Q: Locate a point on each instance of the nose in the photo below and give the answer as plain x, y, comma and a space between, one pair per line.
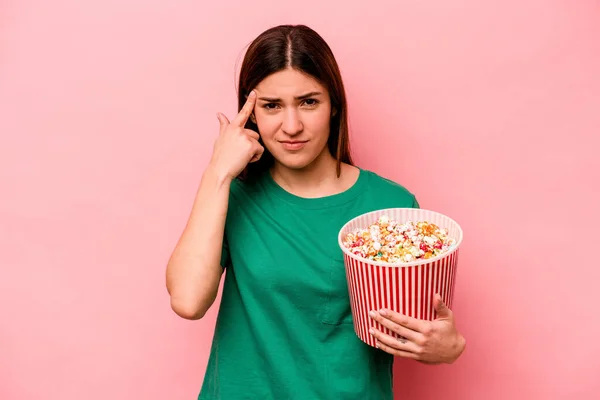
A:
292, 125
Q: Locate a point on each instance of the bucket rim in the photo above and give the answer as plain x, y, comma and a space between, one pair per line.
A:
405, 264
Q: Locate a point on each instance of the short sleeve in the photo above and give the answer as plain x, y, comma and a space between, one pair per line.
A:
415, 203
224, 252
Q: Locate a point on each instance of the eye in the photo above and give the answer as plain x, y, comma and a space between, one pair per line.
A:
270, 106
311, 102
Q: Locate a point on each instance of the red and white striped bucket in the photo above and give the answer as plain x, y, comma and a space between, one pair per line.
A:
406, 288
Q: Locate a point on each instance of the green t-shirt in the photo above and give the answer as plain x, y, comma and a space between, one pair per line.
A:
284, 329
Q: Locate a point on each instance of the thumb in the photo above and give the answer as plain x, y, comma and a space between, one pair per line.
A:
223, 121
440, 307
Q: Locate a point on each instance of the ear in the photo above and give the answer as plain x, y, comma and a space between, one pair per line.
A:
253, 118
333, 112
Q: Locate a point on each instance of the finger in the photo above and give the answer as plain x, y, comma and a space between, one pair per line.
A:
411, 323
441, 308
223, 121
258, 154
246, 111
393, 342
252, 134
395, 352
394, 326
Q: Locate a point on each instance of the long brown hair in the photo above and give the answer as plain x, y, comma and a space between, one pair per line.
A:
301, 48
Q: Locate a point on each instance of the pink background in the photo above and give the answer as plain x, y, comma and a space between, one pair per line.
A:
487, 110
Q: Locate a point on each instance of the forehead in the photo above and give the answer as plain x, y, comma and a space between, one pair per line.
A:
289, 83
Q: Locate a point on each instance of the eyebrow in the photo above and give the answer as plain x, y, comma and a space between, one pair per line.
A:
303, 97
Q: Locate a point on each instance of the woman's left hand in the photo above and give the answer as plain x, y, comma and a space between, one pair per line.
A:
429, 342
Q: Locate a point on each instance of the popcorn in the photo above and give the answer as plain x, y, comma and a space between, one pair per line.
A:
390, 241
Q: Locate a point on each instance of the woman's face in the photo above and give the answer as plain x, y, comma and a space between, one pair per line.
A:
292, 113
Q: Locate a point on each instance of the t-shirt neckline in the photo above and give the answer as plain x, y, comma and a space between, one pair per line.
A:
317, 202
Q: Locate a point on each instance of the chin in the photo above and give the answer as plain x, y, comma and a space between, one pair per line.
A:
295, 163
297, 166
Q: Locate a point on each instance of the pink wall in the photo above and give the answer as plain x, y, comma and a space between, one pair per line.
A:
487, 110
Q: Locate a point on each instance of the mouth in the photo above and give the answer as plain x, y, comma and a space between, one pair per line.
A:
293, 144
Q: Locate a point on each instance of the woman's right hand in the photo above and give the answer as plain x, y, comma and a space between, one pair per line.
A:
236, 147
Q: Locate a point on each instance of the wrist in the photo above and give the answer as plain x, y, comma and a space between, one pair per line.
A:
218, 176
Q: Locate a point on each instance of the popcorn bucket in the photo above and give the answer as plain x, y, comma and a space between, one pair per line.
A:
407, 288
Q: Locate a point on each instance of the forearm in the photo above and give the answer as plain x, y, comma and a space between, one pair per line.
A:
194, 270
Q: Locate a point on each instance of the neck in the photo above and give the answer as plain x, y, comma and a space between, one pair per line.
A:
315, 180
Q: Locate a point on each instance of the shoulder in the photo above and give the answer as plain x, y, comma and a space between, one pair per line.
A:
395, 192
241, 189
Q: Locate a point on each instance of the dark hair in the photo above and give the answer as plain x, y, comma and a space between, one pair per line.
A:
301, 48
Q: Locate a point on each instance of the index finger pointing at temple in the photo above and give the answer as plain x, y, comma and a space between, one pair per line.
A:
246, 111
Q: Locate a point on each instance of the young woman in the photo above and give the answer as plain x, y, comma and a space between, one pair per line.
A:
279, 186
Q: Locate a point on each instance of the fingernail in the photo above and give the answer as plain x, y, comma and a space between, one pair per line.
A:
372, 314
383, 311
377, 344
371, 331
252, 94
